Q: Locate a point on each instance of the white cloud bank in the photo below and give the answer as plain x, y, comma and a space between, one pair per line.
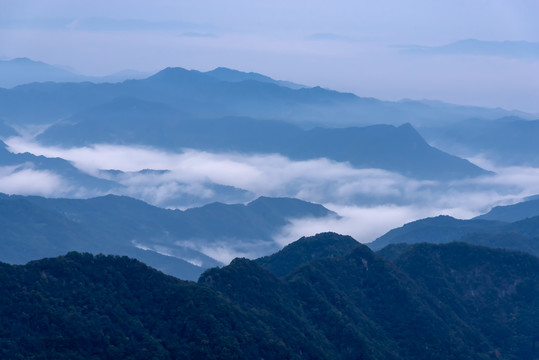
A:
24, 180
370, 201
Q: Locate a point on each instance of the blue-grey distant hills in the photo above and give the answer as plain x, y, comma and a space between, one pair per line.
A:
506, 141
438, 230
510, 213
229, 110
21, 71
133, 121
74, 177
69, 181
176, 242
231, 75
508, 49
229, 93
514, 227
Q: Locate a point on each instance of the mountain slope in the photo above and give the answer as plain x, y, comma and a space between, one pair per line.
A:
507, 141
440, 229
496, 291
75, 181
134, 121
180, 243
205, 95
434, 301
520, 235
359, 294
515, 212
232, 75
305, 250
31, 232
21, 71
112, 307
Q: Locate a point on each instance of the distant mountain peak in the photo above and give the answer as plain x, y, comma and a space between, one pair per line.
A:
178, 71
232, 75
515, 212
289, 207
23, 60
225, 70
228, 74
179, 75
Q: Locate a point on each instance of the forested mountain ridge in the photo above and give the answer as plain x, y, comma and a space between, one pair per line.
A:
433, 301
438, 229
172, 241
306, 250
485, 230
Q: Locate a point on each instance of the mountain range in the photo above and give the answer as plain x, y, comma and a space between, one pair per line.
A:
221, 93
178, 96
21, 71
507, 141
515, 212
184, 243
180, 243
433, 301
129, 121
508, 49
436, 288
514, 227
71, 175
227, 110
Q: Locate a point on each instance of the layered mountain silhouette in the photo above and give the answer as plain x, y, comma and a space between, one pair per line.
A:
72, 182
505, 141
225, 92
179, 108
72, 176
514, 227
507, 49
132, 121
437, 230
173, 241
433, 301
510, 213
231, 75
21, 71
321, 297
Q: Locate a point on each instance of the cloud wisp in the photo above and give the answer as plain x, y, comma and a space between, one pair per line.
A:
24, 180
318, 180
369, 201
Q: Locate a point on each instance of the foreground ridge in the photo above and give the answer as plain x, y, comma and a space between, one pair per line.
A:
432, 301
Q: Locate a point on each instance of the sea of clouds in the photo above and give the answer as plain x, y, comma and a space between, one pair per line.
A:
369, 201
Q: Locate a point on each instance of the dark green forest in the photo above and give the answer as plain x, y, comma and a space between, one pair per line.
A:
451, 301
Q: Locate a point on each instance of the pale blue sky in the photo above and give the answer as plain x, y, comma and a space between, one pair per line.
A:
345, 45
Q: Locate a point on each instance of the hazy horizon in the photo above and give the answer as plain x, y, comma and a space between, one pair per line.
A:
389, 50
